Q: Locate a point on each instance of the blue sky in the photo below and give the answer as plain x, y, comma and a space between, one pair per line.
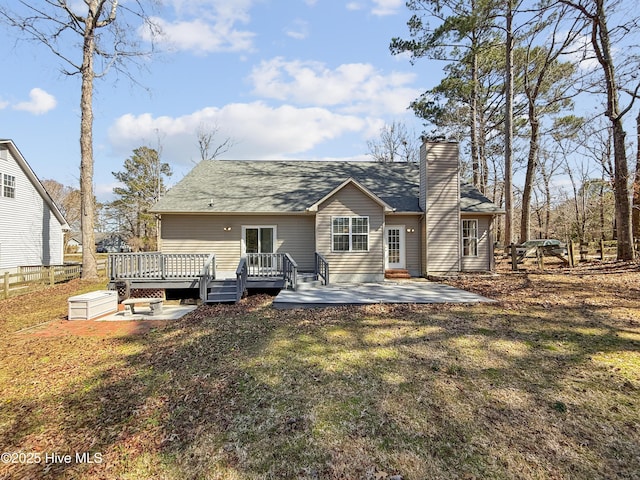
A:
302, 79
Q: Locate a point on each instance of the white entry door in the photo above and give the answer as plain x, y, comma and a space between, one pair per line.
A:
394, 247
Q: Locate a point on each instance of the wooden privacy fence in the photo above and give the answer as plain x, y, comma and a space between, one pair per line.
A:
32, 277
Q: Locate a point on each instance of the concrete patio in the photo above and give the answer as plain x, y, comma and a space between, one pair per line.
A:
411, 291
169, 312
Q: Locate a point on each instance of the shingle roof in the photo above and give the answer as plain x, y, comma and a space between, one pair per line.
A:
244, 186
472, 201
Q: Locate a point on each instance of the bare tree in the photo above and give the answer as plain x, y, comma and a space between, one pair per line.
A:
209, 149
547, 84
395, 144
104, 31
635, 216
616, 74
548, 166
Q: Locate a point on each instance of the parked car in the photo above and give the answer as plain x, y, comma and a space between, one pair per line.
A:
553, 245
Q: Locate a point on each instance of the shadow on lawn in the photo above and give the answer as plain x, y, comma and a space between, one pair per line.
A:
423, 392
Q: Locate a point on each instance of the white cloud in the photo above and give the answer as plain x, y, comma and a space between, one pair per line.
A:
3, 104
353, 87
199, 36
581, 53
259, 131
299, 29
205, 26
379, 8
386, 7
40, 102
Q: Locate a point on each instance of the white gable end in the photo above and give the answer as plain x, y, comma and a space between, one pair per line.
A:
31, 231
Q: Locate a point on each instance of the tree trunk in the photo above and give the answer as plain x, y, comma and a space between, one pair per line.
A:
525, 220
547, 199
576, 206
508, 129
89, 263
475, 158
635, 215
624, 231
482, 152
601, 208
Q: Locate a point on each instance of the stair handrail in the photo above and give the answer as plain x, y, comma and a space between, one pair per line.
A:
322, 268
242, 274
290, 271
207, 274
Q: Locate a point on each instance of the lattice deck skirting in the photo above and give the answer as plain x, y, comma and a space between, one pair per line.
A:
147, 293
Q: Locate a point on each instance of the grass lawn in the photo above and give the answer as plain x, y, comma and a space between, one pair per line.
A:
545, 383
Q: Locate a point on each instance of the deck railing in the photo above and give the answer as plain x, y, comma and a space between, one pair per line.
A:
290, 270
265, 265
273, 265
207, 274
241, 278
322, 268
156, 265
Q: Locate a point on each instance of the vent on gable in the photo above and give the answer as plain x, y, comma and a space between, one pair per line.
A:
4, 153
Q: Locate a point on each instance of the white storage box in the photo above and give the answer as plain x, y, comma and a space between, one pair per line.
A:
93, 304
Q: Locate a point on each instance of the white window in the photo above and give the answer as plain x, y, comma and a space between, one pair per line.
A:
350, 234
469, 238
9, 186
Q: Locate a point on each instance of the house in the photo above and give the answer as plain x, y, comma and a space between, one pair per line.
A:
362, 218
111, 243
74, 243
31, 225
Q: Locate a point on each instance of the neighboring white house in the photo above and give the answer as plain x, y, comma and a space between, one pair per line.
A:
74, 243
31, 225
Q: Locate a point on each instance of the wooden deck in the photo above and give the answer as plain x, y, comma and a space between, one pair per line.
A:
156, 270
159, 270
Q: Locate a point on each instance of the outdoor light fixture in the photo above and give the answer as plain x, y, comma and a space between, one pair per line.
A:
411, 230
211, 202
227, 229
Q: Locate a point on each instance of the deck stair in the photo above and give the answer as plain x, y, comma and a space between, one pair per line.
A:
307, 280
226, 290
222, 291
396, 273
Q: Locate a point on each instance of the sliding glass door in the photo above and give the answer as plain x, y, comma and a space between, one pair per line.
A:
259, 240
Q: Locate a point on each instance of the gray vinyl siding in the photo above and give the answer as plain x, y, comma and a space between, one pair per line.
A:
442, 212
484, 260
30, 233
205, 234
422, 200
352, 266
413, 242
